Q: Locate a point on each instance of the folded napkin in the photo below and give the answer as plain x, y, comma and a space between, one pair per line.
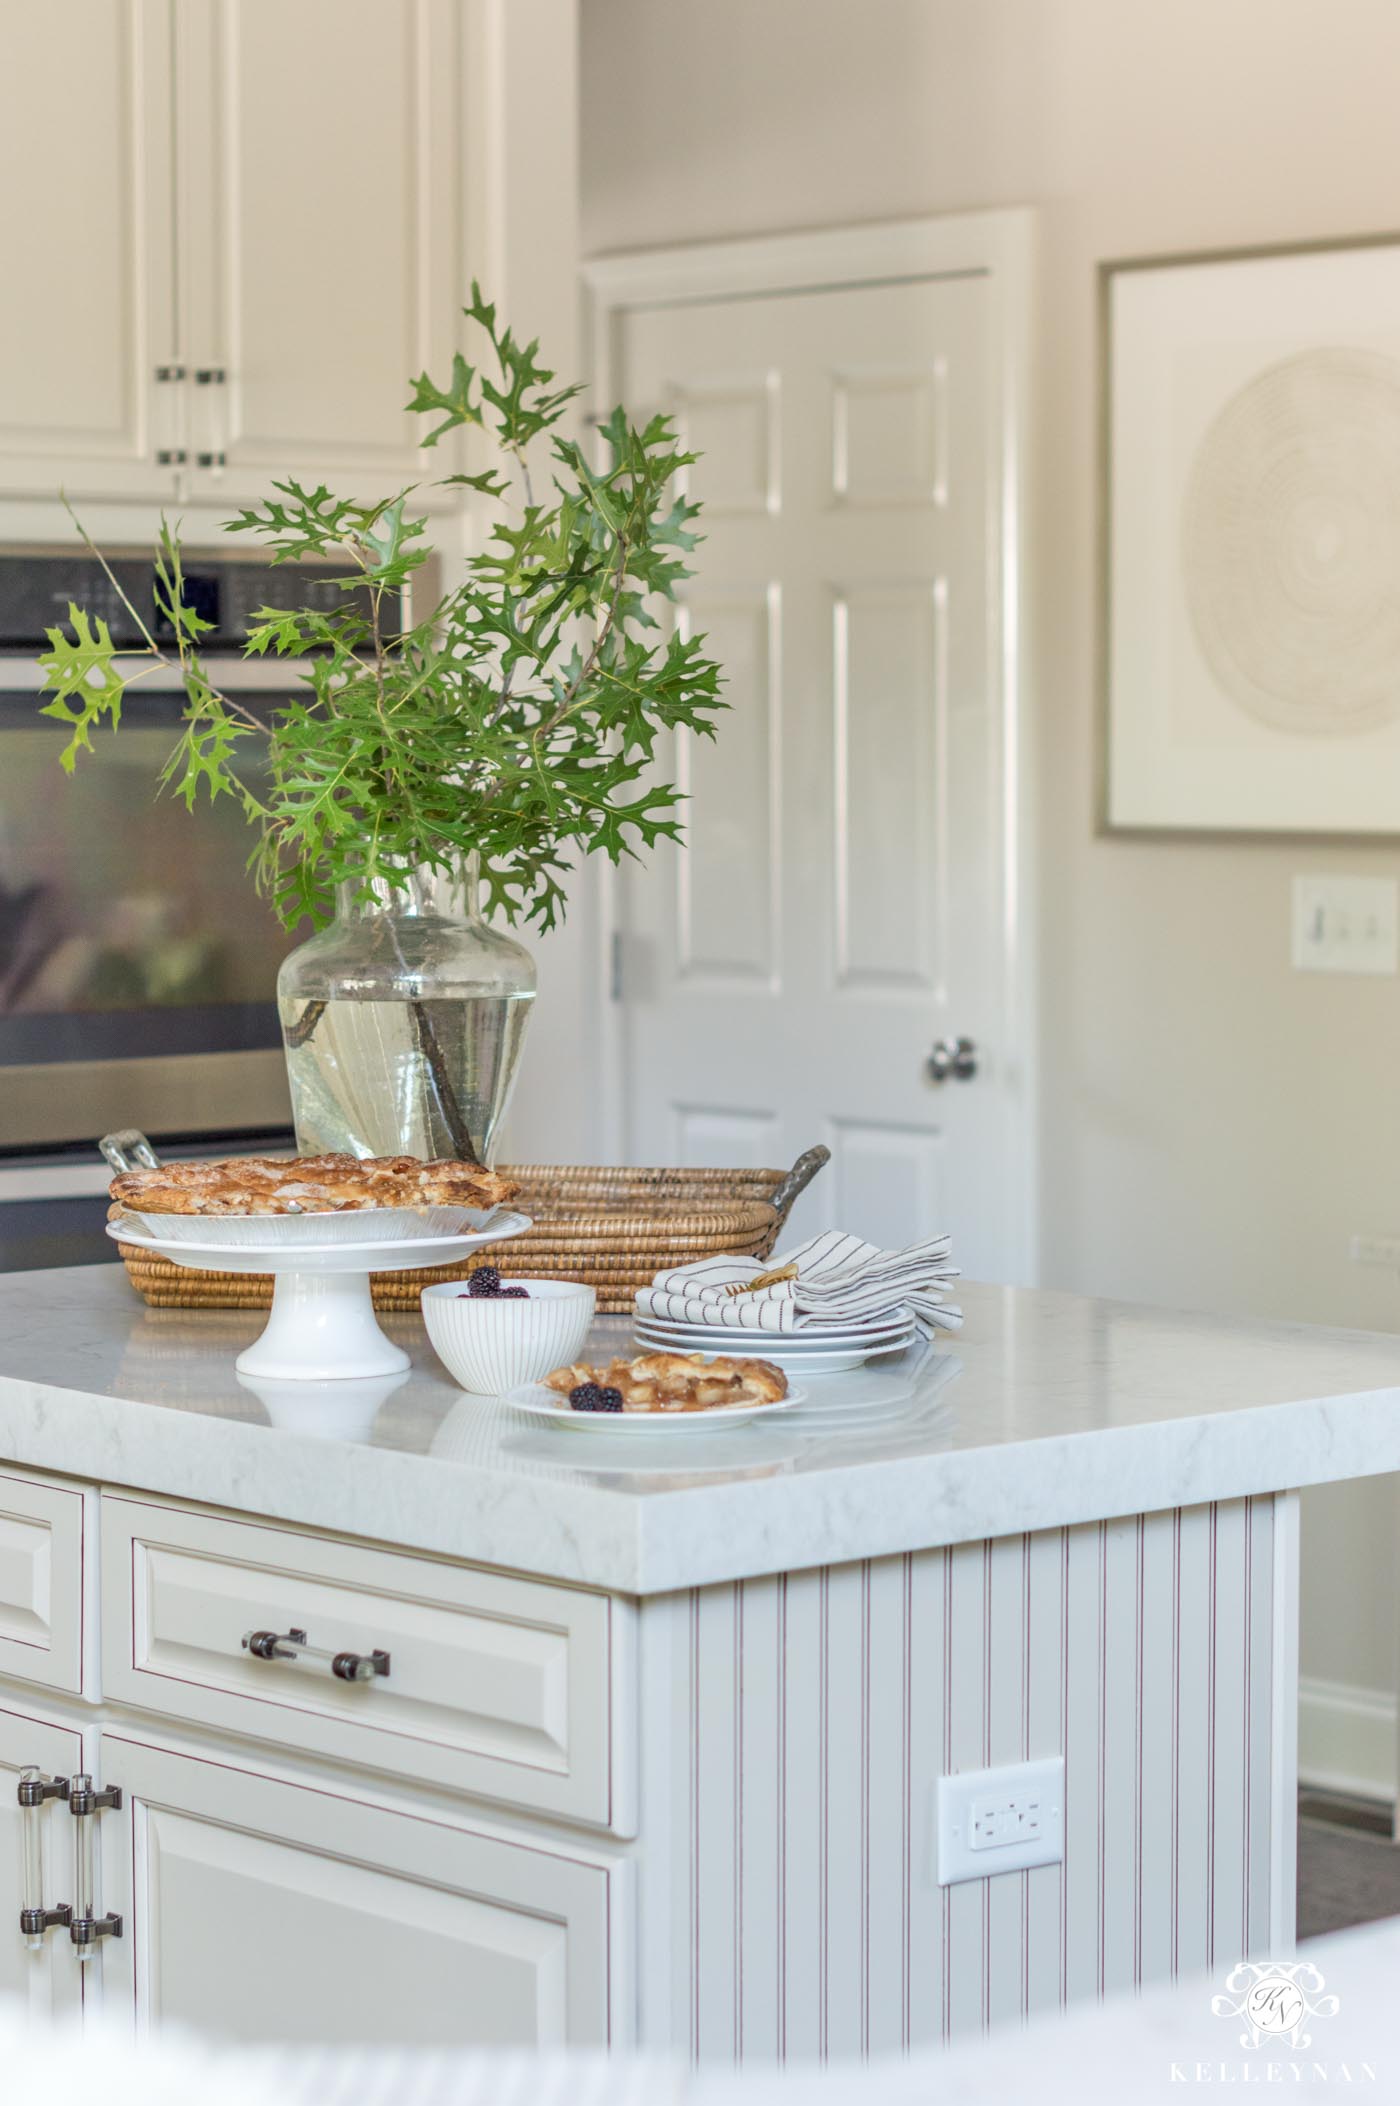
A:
839, 1281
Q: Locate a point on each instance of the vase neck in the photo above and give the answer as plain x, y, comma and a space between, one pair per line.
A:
418, 893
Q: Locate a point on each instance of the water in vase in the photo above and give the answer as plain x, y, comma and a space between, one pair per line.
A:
384, 1077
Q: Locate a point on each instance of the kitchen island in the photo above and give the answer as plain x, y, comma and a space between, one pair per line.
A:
653, 1751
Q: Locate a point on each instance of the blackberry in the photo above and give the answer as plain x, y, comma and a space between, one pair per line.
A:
512, 1294
485, 1280
587, 1397
609, 1400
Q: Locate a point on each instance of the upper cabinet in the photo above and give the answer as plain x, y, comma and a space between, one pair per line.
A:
87, 249
320, 200
234, 231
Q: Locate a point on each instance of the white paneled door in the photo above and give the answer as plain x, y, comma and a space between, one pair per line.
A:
834, 955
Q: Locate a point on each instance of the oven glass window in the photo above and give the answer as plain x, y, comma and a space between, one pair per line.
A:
128, 925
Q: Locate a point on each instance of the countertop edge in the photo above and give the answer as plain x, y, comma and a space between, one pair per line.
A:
608, 1540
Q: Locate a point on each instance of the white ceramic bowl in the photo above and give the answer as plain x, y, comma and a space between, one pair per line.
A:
490, 1344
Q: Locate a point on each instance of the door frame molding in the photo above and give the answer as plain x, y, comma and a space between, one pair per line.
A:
997, 245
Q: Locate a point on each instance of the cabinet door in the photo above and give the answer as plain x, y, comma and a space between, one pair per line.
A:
276, 1911
86, 250
47, 1980
320, 257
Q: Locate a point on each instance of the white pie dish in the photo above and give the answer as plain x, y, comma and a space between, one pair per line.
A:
490, 1343
538, 1402
328, 1225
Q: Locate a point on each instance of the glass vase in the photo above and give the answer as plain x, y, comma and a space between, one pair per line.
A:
403, 1022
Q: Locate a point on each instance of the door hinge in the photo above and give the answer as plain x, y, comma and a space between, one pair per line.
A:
615, 966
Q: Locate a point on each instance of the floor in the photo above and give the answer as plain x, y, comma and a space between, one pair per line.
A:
1348, 1866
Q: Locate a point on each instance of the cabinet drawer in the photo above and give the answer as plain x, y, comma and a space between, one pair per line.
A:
41, 1583
496, 1686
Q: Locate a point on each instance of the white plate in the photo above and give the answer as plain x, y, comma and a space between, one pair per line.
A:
329, 1225
541, 1403
836, 1360
397, 1255
712, 1336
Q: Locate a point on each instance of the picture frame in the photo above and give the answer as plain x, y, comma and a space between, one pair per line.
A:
1249, 640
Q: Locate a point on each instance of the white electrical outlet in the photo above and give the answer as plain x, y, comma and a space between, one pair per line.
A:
1346, 925
1002, 1820
1375, 1250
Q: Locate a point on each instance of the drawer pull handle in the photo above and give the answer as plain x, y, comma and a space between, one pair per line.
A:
86, 1928
36, 1921
292, 1645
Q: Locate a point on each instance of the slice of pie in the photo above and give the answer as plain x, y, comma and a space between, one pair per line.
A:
308, 1184
677, 1382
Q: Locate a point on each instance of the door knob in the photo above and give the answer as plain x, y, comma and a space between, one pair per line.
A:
951, 1056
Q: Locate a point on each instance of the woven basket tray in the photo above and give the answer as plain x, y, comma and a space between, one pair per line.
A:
612, 1229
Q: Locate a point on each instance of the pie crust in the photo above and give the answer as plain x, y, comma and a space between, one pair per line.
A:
308, 1184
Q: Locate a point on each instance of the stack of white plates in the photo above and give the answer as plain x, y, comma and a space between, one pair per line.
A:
824, 1352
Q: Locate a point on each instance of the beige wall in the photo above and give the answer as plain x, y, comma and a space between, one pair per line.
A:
1216, 1126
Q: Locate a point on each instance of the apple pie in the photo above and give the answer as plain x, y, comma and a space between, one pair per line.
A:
308, 1184
672, 1382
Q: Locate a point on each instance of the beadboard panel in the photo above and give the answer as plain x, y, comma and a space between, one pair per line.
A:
817, 1710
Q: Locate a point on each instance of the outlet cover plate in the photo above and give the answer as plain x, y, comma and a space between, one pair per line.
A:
1001, 1820
1346, 925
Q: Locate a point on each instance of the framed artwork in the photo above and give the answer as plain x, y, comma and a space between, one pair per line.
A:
1252, 579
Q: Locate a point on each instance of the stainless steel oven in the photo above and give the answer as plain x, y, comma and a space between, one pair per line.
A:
137, 963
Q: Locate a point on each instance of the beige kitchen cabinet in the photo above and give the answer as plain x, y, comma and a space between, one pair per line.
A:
47, 1980
270, 1909
235, 230
87, 252
320, 197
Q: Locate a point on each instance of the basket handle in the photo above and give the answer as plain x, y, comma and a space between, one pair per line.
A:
797, 1180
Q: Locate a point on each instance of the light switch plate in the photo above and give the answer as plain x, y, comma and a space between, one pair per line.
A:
1001, 1820
1346, 925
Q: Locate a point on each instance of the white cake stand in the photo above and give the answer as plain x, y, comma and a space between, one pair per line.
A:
322, 1327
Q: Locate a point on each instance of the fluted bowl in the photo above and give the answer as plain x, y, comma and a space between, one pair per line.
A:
490, 1344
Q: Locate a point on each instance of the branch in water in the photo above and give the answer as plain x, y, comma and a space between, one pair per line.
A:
462, 1145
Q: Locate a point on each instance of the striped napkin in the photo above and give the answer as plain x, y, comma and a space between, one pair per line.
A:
839, 1281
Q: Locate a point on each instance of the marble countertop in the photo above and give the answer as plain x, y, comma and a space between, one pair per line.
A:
1045, 1409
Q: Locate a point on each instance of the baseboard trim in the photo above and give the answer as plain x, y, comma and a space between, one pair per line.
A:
1346, 1738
